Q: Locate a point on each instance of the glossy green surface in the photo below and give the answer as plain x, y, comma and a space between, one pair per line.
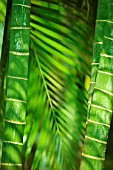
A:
102, 16
100, 113
16, 98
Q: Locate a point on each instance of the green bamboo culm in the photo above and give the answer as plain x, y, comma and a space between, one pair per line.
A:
102, 16
16, 98
99, 120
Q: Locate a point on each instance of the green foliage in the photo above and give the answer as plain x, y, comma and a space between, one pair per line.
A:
57, 100
61, 34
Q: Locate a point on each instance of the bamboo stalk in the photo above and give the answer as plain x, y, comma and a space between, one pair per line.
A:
16, 99
102, 16
101, 109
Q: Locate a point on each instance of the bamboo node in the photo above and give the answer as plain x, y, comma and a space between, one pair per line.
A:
98, 123
100, 107
100, 20
103, 72
19, 53
92, 82
97, 140
20, 78
106, 55
26, 6
14, 122
16, 100
98, 42
109, 38
94, 63
11, 142
20, 28
93, 157
105, 91
9, 164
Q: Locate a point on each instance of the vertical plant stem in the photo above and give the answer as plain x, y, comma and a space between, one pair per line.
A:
93, 155
16, 98
102, 16
3, 62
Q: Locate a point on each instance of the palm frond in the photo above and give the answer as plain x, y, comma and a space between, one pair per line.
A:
57, 100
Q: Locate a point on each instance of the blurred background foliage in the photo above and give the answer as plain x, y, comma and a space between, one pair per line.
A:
61, 40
